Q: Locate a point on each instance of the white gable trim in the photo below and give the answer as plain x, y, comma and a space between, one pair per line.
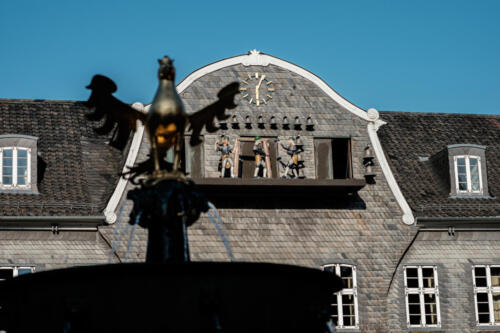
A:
408, 217
109, 211
256, 58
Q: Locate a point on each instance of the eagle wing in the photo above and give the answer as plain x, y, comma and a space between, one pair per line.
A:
205, 117
118, 115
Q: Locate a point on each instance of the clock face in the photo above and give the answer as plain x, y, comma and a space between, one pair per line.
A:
257, 89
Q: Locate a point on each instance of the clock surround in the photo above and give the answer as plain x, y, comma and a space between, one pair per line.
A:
257, 89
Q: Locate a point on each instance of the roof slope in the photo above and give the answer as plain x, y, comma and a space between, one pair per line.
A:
408, 136
81, 170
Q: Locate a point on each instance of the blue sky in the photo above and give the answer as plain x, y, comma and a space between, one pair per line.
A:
425, 56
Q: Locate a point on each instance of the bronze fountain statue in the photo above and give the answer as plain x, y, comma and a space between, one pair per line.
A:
168, 293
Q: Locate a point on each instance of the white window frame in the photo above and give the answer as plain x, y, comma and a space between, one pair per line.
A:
14, 184
15, 269
351, 291
489, 290
421, 291
467, 170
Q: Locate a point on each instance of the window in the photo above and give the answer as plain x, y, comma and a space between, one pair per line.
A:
249, 164
14, 271
333, 158
422, 296
15, 167
467, 169
487, 294
345, 306
468, 174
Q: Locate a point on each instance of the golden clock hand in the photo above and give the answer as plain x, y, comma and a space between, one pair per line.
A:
257, 87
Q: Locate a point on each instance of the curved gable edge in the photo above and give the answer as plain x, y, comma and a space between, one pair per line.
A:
257, 58
110, 210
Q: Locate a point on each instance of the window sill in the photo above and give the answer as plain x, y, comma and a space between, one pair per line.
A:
266, 187
18, 191
425, 329
488, 328
470, 196
347, 330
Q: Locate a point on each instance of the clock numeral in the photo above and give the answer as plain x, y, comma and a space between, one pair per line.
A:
270, 89
245, 82
264, 101
244, 96
249, 76
250, 101
269, 96
256, 75
244, 89
269, 82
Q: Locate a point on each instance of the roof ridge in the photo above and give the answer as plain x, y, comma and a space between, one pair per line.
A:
35, 100
479, 115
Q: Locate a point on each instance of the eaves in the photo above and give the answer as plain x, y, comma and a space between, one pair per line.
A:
52, 223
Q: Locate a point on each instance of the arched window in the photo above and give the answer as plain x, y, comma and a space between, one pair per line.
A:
18, 162
345, 306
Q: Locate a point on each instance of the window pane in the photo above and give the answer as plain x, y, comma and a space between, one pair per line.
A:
431, 319
23, 271
415, 320
346, 275
462, 186
330, 269
414, 309
7, 153
495, 276
413, 299
462, 178
22, 162
430, 309
22, 176
474, 177
483, 308
484, 318
482, 297
461, 170
473, 162
7, 161
480, 273
461, 161
428, 277
496, 307
7, 180
412, 277
21, 153
7, 171
348, 310
6, 273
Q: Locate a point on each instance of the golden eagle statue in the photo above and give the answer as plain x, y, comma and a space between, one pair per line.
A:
165, 122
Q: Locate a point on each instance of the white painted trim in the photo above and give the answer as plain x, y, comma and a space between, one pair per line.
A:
255, 58
408, 217
109, 211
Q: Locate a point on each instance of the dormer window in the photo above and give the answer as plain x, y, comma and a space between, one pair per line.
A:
467, 170
15, 167
17, 163
468, 174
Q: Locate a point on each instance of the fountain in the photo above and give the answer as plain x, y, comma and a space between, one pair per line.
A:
167, 293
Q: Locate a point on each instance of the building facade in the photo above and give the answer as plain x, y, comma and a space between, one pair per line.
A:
401, 206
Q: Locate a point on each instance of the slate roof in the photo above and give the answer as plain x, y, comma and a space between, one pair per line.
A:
408, 136
81, 169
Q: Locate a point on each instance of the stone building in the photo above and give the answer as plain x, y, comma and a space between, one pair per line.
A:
402, 206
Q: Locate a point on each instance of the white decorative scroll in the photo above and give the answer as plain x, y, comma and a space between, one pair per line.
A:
255, 58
